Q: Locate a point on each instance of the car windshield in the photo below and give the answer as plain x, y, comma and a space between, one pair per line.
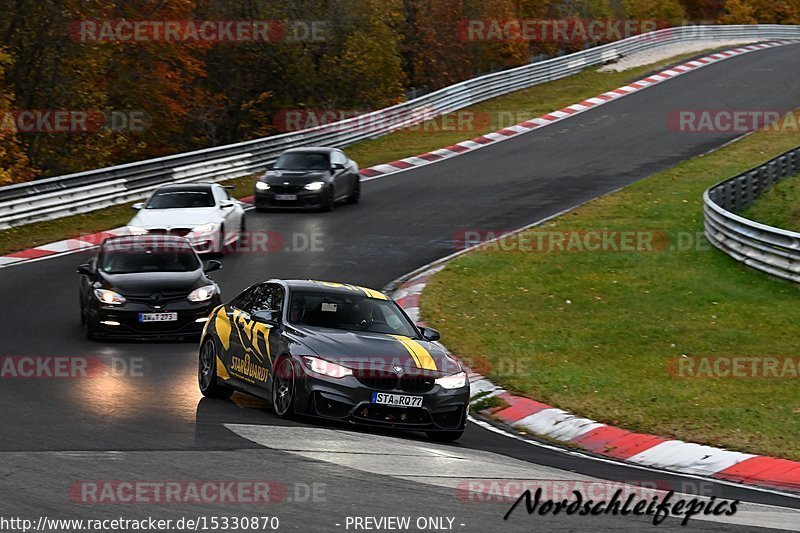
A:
147, 257
181, 199
349, 312
302, 161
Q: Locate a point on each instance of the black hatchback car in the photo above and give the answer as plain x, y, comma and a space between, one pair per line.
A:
309, 178
146, 286
334, 351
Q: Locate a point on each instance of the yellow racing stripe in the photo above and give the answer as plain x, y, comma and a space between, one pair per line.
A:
422, 357
374, 294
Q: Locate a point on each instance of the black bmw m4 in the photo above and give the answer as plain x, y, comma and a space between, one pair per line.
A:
334, 351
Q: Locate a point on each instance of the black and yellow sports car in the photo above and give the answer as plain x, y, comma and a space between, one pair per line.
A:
333, 351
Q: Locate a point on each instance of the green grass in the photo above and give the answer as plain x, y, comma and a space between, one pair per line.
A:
779, 206
594, 333
482, 118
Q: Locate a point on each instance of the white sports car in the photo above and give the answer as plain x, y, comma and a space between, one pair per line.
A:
203, 213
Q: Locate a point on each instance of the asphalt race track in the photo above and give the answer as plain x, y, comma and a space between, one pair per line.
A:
154, 426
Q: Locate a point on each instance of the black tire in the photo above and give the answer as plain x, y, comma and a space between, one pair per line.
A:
356, 194
329, 203
283, 388
207, 372
444, 436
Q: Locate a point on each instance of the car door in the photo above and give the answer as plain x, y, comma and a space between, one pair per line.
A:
227, 206
254, 342
341, 186
351, 172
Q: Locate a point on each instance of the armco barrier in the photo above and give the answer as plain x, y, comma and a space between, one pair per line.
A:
771, 250
60, 196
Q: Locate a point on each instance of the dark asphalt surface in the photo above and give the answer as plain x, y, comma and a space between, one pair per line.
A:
404, 222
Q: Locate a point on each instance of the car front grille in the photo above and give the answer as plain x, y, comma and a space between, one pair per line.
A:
180, 232
160, 299
388, 381
286, 189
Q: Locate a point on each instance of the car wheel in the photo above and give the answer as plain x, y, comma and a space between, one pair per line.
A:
329, 203
283, 389
356, 194
207, 372
444, 436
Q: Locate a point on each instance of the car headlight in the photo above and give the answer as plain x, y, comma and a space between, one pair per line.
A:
202, 294
262, 185
314, 186
109, 297
454, 381
205, 228
326, 368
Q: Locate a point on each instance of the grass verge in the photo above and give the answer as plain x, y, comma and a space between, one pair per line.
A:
779, 206
485, 117
599, 334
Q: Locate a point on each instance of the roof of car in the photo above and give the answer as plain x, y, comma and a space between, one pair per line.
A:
186, 187
144, 240
334, 287
312, 149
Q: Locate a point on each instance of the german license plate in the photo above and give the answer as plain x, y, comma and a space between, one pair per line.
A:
158, 317
285, 197
396, 400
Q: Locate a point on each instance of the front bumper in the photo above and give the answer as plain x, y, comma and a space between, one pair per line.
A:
191, 320
348, 399
305, 199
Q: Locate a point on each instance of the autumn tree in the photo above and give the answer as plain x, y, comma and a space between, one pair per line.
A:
437, 49
14, 164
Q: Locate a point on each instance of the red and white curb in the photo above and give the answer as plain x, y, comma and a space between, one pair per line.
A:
378, 171
561, 114
541, 419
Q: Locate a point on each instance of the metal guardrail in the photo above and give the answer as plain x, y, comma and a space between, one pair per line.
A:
60, 196
771, 250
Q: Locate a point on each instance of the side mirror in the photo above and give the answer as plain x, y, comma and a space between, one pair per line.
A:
211, 266
86, 270
337, 166
429, 334
268, 316
138, 205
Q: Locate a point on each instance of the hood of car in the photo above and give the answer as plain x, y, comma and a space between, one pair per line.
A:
146, 283
377, 351
175, 218
294, 177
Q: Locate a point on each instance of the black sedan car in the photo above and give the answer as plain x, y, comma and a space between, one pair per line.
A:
146, 286
333, 351
311, 178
